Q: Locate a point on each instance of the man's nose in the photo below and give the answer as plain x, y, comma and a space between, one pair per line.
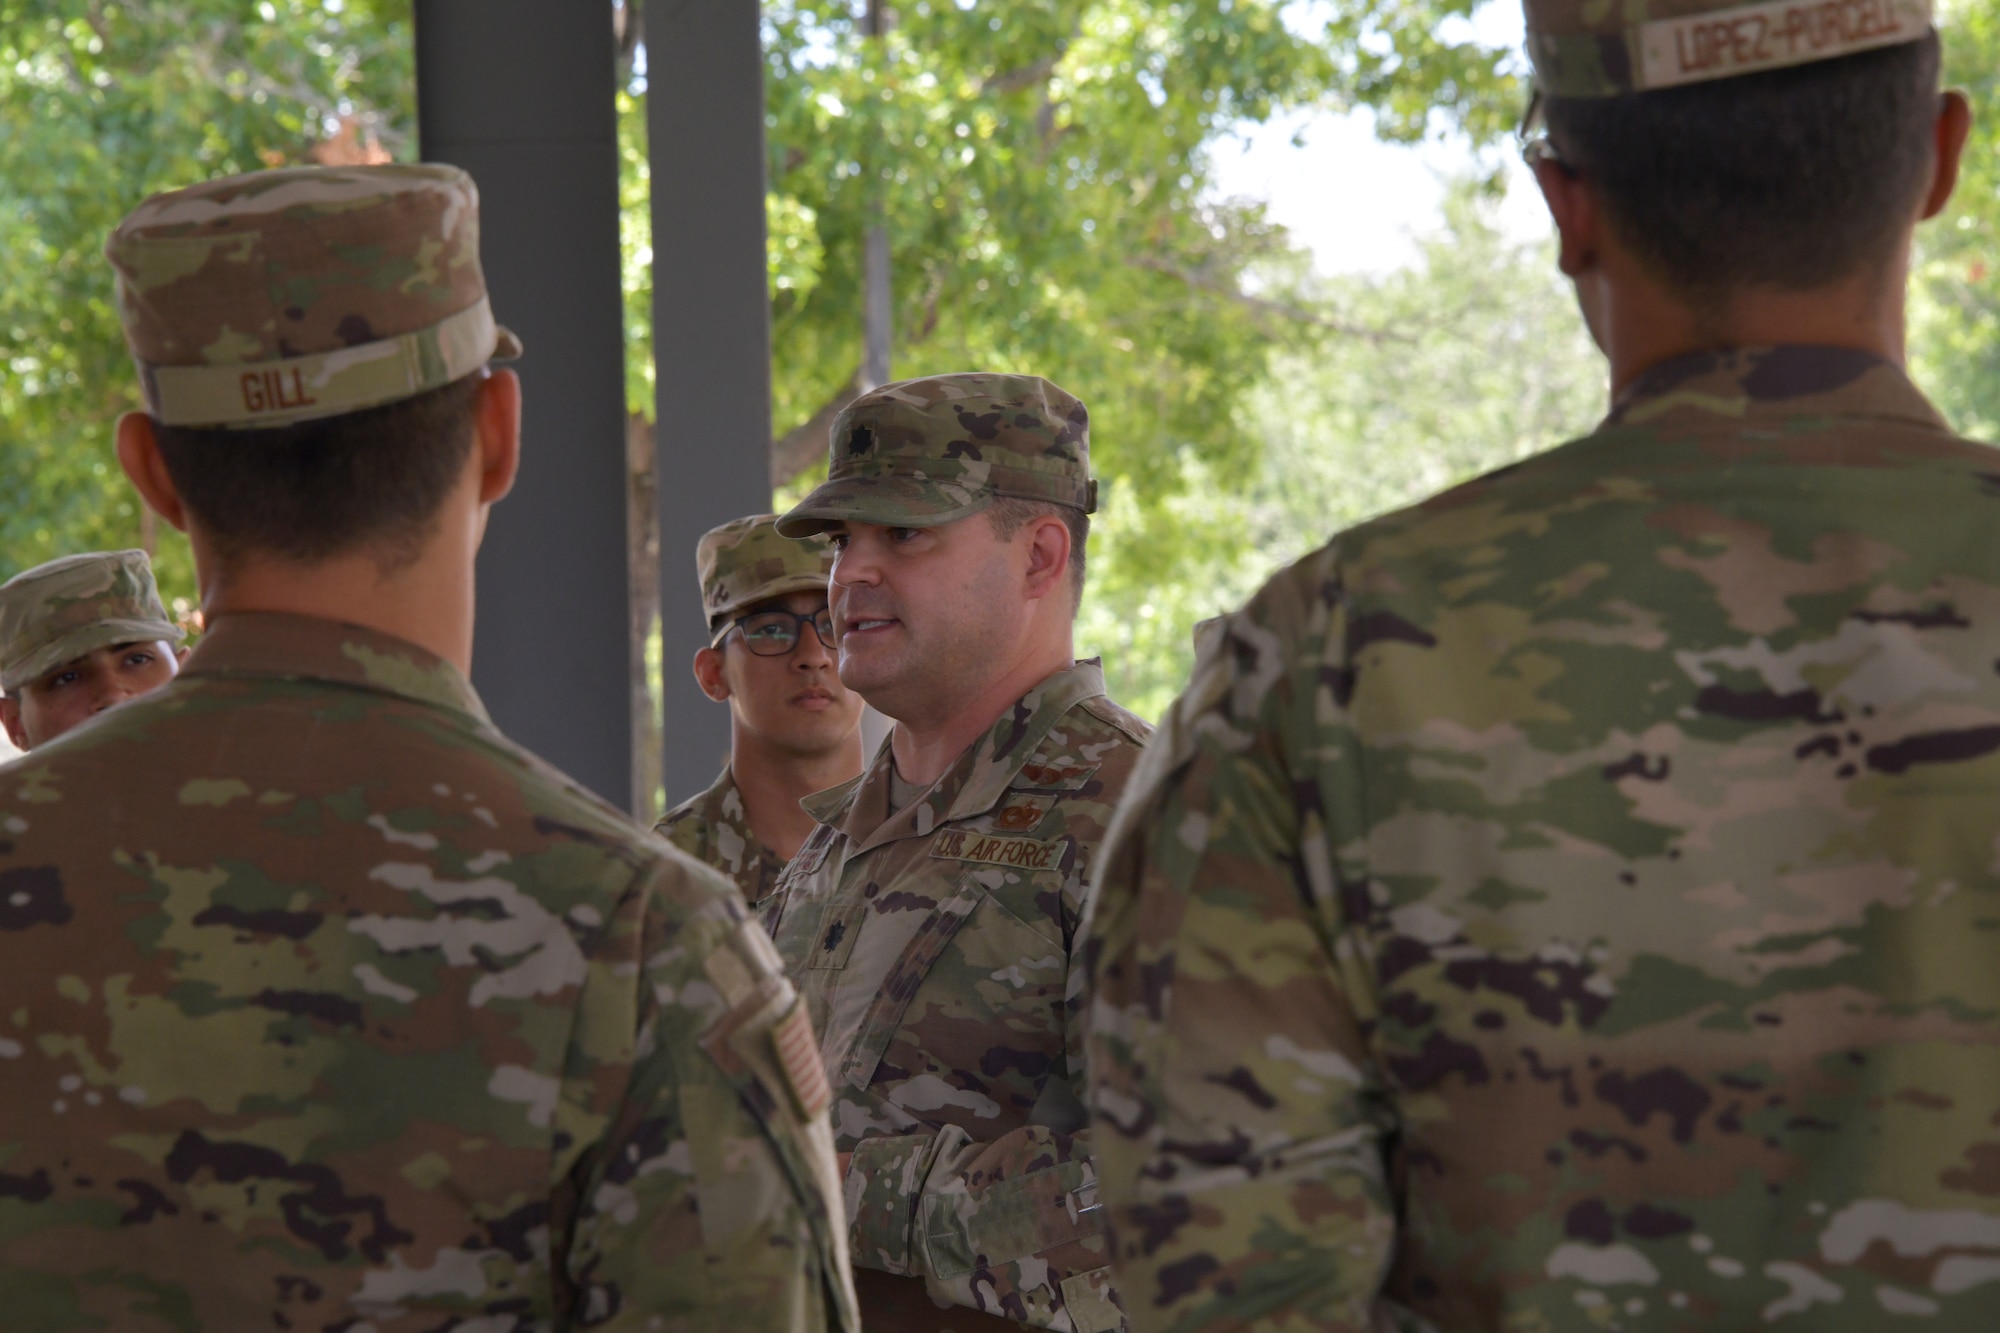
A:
810, 653
852, 567
110, 693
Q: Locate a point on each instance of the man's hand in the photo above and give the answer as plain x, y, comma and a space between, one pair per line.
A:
840, 1160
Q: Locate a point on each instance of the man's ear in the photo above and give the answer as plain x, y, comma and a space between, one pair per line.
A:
708, 674
139, 455
1048, 556
1573, 208
10, 717
1954, 127
498, 423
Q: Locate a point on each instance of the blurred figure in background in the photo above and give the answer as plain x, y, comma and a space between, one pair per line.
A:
79, 635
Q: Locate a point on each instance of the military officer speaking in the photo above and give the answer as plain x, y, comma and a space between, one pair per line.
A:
931, 919
1570, 903
794, 729
78, 635
322, 1006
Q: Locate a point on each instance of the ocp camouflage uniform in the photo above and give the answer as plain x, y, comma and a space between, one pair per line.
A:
713, 828
322, 1006
347, 1012
936, 944
935, 947
1570, 903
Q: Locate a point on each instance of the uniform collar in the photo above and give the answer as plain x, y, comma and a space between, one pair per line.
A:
976, 780
263, 643
1742, 384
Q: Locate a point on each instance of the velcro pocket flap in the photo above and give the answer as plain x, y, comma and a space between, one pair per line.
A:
1012, 1219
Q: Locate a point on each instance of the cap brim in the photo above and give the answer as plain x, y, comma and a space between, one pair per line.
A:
88, 639
776, 588
506, 346
889, 502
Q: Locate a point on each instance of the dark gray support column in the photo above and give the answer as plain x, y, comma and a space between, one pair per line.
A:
711, 330
520, 93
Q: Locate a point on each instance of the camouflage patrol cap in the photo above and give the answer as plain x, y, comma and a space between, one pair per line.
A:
746, 561
1593, 48
283, 296
58, 612
923, 452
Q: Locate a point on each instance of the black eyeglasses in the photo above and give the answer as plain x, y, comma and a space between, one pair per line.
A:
775, 633
1532, 135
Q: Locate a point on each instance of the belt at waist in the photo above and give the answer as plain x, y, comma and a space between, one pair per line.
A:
891, 1304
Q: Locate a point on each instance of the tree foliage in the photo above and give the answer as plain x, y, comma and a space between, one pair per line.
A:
1042, 169
1955, 311
1478, 359
103, 102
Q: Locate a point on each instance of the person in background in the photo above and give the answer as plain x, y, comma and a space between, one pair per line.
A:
794, 729
931, 919
325, 1005
78, 635
1571, 902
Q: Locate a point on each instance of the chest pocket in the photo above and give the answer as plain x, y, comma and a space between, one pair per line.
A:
885, 1013
839, 924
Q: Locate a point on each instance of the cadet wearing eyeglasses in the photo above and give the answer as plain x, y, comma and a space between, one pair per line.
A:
794, 728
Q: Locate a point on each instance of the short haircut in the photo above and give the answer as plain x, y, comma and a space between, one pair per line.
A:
1788, 178
1009, 515
371, 480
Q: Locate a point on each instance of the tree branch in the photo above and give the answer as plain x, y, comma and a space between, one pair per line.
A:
804, 445
628, 21
1206, 281
1025, 76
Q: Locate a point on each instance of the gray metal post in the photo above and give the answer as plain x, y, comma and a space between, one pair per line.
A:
521, 94
711, 330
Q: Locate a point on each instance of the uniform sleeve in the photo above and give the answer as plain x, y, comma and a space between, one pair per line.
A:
708, 1197
1241, 1130
1011, 1226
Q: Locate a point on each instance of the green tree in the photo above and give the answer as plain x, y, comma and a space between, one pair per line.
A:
1955, 310
1471, 357
103, 102
1042, 169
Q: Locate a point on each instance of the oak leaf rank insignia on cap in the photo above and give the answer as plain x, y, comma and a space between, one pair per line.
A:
283, 296
922, 452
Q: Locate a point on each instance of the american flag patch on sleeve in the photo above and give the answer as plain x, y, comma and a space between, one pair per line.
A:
798, 1055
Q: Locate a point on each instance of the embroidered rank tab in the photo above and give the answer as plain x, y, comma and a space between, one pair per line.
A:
1057, 777
996, 850
798, 1056
813, 855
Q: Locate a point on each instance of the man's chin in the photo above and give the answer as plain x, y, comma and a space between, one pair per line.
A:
820, 737
867, 673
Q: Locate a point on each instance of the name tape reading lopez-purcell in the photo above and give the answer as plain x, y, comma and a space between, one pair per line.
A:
1786, 32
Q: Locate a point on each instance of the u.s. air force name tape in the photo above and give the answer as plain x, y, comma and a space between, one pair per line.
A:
325, 384
997, 849
1720, 43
